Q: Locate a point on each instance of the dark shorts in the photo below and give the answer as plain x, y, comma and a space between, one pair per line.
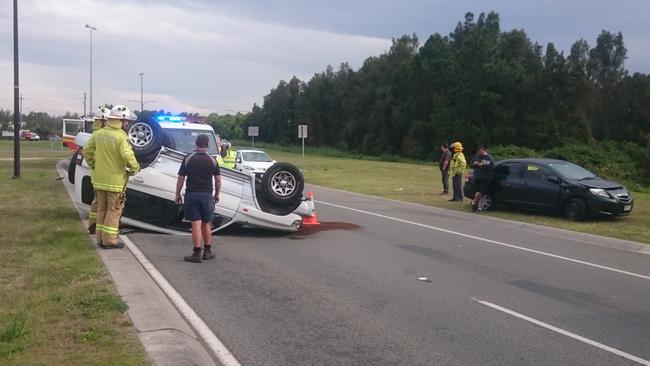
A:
482, 185
199, 206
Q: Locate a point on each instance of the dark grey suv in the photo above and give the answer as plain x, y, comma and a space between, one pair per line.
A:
553, 186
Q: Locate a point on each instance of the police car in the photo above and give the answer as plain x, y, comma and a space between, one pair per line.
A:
274, 201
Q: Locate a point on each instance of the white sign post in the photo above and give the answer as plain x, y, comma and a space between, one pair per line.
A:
302, 134
252, 132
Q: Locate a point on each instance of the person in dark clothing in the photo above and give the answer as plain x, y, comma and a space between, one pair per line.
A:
483, 166
445, 158
201, 169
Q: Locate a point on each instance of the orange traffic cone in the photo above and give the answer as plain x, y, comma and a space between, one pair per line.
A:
313, 219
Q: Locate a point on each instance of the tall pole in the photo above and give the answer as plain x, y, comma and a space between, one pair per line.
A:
91, 28
141, 97
84, 104
16, 94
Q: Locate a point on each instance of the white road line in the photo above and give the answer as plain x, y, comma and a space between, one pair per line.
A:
566, 333
489, 241
211, 340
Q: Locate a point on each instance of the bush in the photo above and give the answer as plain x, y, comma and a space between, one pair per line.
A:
502, 152
621, 162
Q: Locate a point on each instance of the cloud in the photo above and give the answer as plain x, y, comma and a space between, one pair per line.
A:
194, 61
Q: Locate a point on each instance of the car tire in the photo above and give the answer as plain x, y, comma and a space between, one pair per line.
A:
72, 167
282, 185
487, 202
575, 209
146, 138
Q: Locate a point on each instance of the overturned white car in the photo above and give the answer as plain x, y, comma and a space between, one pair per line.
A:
273, 201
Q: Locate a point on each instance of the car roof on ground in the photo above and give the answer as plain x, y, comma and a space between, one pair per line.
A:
542, 161
249, 150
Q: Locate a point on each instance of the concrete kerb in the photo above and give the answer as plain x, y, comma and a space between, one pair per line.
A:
165, 335
584, 238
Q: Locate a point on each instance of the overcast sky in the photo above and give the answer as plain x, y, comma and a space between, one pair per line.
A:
223, 56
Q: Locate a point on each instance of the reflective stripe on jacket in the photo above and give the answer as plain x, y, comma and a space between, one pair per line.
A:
108, 152
458, 164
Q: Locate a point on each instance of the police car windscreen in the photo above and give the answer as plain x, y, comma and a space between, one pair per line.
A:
185, 140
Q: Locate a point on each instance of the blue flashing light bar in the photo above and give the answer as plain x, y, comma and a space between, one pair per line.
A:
170, 119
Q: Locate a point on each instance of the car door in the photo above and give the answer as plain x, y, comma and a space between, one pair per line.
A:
238, 161
507, 180
537, 191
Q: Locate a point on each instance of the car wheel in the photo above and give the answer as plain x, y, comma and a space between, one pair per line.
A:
146, 138
72, 167
575, 209
282, 185
487, 202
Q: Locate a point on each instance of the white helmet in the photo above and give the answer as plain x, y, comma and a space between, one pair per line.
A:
122, 112
102, 113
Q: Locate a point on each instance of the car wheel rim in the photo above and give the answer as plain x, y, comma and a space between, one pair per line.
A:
486, 202
140, 135
283, 183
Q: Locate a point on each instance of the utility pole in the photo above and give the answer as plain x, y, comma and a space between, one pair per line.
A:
84, 104
21, 110
141, 95
91, 28
16, 94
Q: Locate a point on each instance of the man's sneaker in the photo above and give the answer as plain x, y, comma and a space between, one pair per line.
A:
207, 253
119, 245
92, 228
195, 257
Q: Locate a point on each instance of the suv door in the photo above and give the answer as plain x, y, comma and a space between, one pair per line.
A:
537, 191
507, 179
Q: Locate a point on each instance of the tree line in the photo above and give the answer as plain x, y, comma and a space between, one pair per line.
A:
477, 85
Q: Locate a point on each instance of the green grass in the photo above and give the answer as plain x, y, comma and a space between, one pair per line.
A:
59, 306
418, 182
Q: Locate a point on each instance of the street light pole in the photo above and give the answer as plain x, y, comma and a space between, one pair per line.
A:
91, 28
141, 97
16, 94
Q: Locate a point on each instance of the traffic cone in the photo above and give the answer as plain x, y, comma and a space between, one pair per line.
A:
313, 219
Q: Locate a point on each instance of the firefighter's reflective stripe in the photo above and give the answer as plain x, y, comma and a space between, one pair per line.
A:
109, 187
108, 229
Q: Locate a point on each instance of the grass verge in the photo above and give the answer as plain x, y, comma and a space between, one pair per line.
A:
58, 305
416, 182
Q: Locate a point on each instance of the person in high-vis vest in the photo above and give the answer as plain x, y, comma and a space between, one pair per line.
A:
229, 157
99, 119
109, 154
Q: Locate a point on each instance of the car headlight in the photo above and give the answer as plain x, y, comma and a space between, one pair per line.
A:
600, 192
248, 167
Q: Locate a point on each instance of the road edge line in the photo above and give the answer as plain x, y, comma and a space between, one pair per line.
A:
566, 333
216, 346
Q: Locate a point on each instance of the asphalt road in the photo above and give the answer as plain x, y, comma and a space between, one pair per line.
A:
348, 292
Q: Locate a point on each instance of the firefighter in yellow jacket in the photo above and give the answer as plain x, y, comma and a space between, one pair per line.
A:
99, 119
109, 154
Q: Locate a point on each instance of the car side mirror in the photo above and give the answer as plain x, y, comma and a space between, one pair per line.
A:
238, 161
553, 178
274, 161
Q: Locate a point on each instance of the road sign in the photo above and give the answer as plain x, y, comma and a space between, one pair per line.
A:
253, 131
302, 131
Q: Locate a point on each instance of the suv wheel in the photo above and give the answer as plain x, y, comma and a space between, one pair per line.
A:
72, 167
282, 185
145, 138
575, 209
